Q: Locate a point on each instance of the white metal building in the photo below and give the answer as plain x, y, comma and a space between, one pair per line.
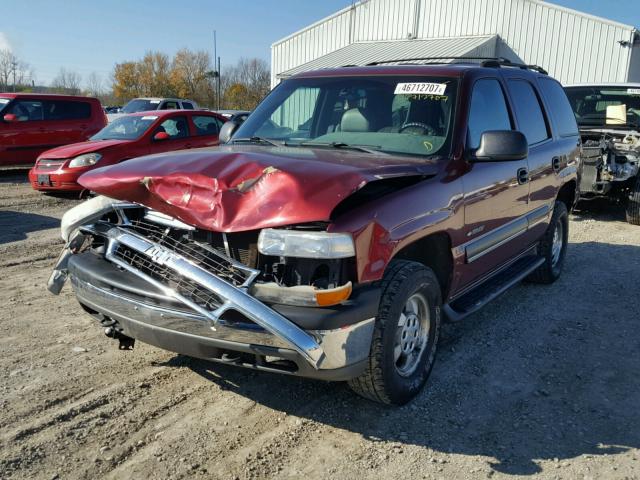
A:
574, 47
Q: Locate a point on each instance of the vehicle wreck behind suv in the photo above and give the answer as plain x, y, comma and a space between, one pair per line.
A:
609, 121
352, 210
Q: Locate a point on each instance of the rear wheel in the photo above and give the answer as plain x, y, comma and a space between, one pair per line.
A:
553, 246
633, 204
405, 335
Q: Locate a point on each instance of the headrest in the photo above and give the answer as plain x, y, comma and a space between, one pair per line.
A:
354, 121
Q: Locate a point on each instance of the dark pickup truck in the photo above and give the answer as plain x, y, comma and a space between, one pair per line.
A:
353, 211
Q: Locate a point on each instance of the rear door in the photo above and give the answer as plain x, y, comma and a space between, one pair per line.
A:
496, 193
545, 155
177, 127
68, 120
206, 129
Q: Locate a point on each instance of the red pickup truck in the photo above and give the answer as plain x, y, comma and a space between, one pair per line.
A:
345, 219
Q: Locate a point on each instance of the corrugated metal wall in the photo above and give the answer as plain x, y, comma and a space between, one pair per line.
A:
574, 47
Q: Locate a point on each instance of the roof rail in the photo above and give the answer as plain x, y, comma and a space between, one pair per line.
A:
504, 62
382, 62
489, 62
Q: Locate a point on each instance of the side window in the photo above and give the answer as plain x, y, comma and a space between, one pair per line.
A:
488, 111
206, 125
561, 111
187, 105
66, 110
529, 111
170, 106
175, 127
27, 110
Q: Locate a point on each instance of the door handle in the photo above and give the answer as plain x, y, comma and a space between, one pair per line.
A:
556, 163
523, 176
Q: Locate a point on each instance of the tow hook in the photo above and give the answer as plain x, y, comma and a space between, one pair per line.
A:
124, 342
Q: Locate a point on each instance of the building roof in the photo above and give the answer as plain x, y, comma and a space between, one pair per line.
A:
363, 53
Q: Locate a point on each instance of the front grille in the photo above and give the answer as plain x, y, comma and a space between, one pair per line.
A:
182, 243
185, 287
49, 163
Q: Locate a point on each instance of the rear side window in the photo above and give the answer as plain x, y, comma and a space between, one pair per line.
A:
187, 105
206, 125
561, 110
488, 111
529, 111
66, 110
170, 106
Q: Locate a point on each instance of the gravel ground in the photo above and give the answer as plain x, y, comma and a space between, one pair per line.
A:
544, 382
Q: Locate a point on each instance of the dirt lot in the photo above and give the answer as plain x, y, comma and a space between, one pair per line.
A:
544, 382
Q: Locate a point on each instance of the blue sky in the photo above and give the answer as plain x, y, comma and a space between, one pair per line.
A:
88, 36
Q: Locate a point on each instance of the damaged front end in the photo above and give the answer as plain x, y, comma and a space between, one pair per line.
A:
610, 163
271, 299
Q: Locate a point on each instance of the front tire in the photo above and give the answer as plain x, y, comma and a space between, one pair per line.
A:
553, 247
405, 336
633, 204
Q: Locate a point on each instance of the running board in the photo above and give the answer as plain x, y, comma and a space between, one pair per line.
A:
477, 298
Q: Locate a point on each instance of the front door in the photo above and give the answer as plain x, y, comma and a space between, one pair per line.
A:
179, 137
496, 193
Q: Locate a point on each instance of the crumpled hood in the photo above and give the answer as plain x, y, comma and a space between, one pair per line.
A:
75, 149
237, 188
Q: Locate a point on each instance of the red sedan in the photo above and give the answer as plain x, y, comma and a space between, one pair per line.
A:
133, 135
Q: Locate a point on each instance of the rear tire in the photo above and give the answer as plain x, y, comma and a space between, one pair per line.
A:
553, 247
405, 336
633, 204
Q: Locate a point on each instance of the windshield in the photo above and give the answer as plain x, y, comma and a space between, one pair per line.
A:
126, 128
4, 102
393, 114
140, 105
608, 107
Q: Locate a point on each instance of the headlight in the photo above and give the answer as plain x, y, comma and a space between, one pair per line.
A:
294, 243
85, 160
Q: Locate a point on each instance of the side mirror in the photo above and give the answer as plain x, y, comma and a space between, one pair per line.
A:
161, 136
227, 131
500, 146
10, 117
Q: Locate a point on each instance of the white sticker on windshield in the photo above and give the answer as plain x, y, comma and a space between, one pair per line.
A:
149, 117
154, 101
633, 91
425, 88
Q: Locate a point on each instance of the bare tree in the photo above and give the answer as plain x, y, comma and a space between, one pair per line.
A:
67, 81
253, 76
13, 71
94, 86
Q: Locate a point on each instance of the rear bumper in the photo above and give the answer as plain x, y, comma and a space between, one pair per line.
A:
148, 315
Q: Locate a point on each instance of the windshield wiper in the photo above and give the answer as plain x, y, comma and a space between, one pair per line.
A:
256, 140
345, 146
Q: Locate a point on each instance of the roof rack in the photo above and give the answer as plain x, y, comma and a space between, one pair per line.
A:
489, 62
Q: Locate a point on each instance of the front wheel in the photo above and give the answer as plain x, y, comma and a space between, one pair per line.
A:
405, 335
553, 246
633, 204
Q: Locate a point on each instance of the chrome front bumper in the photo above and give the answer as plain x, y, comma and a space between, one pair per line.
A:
167, 319
344, 350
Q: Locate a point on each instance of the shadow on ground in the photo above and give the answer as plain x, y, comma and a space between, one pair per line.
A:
546, 372
15, 226
599, 209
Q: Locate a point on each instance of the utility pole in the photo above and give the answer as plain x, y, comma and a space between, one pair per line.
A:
216, 65
14, 66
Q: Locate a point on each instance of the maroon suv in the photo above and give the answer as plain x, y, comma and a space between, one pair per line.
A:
352, 212
32, 123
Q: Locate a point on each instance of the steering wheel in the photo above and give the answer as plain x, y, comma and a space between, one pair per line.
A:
426, 129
